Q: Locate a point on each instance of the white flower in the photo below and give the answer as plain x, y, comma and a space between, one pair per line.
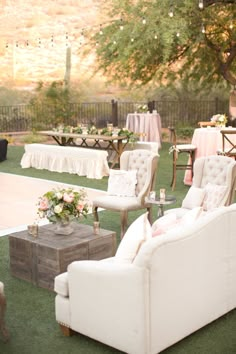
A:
59, 195
58, 208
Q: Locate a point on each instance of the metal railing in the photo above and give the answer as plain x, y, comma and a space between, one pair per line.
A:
42, 117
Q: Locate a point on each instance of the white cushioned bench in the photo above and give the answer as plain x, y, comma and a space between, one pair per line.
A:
91, 163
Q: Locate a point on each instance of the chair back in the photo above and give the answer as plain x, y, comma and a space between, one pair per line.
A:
172, 136
219, 170
145, 162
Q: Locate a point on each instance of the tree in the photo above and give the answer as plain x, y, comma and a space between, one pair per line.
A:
143, 42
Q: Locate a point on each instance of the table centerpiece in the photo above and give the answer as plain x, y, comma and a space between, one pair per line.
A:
61, 206
220, 120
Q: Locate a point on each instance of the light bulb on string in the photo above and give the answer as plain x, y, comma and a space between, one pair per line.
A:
171, 12
121, 25
114, 42
231, 25
203, 29
144, 21
132, 40
155, 36
200, 4
100, 32
177, 34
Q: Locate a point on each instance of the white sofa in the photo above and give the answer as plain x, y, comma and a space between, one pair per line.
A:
177, 283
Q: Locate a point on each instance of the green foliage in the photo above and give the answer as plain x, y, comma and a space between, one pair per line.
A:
193, 45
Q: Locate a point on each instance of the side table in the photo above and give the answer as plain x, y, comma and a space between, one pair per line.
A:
169, 199
38, 260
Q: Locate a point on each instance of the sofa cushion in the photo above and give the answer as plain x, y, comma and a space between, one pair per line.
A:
214, 196
163, 224
194, 198
122, 183
138, 232
170, 221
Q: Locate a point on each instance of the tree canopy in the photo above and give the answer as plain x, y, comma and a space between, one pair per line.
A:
168, 41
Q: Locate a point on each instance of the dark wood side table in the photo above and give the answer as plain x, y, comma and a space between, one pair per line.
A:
169, 199
39, 260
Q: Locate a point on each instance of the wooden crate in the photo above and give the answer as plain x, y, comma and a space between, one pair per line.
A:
39, 260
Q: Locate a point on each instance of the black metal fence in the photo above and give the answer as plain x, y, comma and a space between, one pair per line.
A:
42, 117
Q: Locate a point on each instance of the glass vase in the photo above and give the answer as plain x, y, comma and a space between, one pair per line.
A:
63, 228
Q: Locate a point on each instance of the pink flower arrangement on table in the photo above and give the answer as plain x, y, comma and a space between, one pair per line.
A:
219, 119
63, 205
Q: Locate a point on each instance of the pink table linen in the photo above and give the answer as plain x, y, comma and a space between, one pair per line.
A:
148, 124
208, 141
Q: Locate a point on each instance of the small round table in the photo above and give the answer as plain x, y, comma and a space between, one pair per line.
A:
169, 199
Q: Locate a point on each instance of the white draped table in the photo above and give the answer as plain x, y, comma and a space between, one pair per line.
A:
84, 162
148, 125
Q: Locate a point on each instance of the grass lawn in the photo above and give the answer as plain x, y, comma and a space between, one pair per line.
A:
30, 312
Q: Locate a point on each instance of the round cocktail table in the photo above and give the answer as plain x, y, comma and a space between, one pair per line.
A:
169, 199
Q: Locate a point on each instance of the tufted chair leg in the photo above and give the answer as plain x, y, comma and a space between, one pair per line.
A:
124, 222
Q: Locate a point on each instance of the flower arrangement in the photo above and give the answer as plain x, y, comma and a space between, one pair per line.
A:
142, 108
131, 136
63, 205
219, 119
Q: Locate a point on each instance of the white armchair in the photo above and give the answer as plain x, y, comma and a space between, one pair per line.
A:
145, 163
176, 284
214, 184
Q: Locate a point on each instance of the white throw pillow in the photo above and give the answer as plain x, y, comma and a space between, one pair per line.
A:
191, 216
122, 183
194, 198
214, 196
138, 232
164, 224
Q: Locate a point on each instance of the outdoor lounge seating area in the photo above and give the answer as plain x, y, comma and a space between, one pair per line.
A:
118, 280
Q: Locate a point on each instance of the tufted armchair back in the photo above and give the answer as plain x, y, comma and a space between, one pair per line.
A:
145, 163
220, 170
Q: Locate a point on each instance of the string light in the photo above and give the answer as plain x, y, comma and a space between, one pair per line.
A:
121, 25
155, 36
132, 39
144, 21
100, 32
171, 12
231, 25
177, 34
203, 29
200, 4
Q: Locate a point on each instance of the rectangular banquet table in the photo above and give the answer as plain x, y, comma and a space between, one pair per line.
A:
114, 143
83, 162
148, 125
208, 141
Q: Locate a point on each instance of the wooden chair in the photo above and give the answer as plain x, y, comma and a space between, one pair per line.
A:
177, 149
228, 142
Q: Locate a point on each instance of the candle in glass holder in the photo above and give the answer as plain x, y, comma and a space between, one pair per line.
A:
162, 194
33, 230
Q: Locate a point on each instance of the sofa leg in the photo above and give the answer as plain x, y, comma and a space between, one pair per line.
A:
66, 330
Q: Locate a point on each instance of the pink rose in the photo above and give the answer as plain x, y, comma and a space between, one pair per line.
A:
80, 207
43, 204
68, 198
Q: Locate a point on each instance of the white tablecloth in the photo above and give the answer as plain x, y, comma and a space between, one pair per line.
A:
82, 161
148, 124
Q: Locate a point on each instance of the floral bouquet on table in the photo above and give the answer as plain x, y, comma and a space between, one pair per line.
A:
142, 108
220, 120
63, 205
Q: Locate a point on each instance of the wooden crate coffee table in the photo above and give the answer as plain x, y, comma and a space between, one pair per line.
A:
39, 260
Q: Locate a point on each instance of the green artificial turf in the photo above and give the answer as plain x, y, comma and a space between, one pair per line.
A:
30, 310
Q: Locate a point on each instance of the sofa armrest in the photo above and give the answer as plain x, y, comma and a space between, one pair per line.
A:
110, 302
